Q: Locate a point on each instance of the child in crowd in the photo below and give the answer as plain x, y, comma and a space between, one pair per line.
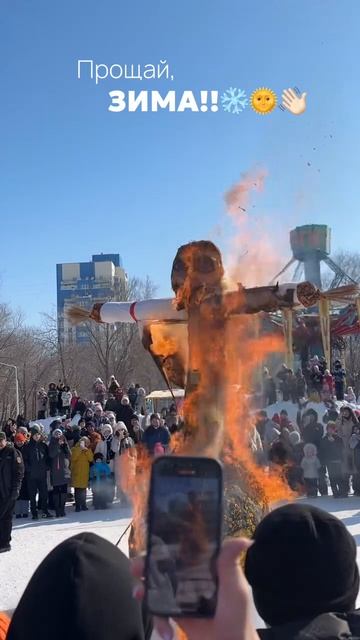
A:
311, 465
332, 453
81, 459
295, 474
100, 479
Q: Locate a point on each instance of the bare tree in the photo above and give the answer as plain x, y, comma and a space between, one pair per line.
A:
348, 261
113, 347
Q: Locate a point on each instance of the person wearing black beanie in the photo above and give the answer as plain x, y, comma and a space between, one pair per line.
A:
81, 591
302, 565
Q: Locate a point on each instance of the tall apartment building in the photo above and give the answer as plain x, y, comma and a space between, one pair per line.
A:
84, 283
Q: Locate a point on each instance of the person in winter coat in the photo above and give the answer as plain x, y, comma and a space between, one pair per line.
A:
74, 399
313, 545
282, 377
100, 482
11, 475
124, 461
312, 432
331, 415
350, 395
41, 403
76, 419
110, 418
85, 589
279, 455
311, 465
60, 389
316, 378
345, 428
136, 431
339, 380
331, 451
355, 447
141, 400
66, 397
256, 446
78, 407
93, 435
125, 412
22, 502
81, 459
76, 435
98, 416
60, 457
36, 460
295, 474
99, 391
132, 395
113, 386
173, 420
88, 415
10, 430
156, 433
52, 395
271, 435
269, 388
328, 379
300, 385
111, 404
104, 447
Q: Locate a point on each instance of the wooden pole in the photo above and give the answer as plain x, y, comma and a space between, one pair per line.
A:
288, 335
324, 313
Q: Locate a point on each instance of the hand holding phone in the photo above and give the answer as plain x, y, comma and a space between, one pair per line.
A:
184, 536
234, 613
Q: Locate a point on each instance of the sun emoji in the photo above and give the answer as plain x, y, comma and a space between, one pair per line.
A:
263, 100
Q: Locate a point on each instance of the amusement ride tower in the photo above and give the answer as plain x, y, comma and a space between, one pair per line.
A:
310, 245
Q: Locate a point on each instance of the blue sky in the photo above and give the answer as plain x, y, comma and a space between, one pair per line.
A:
77, 179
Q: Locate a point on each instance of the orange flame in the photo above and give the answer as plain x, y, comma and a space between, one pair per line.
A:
231, 352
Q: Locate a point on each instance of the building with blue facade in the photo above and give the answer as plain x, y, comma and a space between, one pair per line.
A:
84, 283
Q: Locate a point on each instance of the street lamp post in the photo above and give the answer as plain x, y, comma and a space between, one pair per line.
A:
12, 366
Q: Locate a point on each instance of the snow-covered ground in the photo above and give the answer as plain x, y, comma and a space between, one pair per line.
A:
33, 540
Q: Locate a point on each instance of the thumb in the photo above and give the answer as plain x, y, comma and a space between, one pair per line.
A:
303, 95
231, 576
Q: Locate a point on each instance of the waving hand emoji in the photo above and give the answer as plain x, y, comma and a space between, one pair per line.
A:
294, 102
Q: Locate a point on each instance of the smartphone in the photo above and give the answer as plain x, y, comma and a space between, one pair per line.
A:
184, 536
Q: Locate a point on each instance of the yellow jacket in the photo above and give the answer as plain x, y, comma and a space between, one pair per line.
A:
80, 466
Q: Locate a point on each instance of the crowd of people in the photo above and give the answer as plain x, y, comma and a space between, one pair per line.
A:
315, 380
60, 400
94, 445
312, 454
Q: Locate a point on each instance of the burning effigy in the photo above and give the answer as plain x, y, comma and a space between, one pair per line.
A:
205, 340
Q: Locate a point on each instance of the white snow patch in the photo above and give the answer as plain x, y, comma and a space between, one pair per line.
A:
33, 540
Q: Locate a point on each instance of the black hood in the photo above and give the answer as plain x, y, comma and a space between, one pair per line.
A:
302, 564
81, 591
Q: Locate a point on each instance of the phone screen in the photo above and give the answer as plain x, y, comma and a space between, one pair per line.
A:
185, 517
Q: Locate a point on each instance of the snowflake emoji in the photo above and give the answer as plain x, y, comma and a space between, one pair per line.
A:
234, 100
